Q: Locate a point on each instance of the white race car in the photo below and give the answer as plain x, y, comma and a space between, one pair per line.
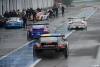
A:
77, 22
41, 16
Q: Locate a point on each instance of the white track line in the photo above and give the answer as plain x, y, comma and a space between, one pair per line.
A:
91, 14
69, 33
35, 63
15, 50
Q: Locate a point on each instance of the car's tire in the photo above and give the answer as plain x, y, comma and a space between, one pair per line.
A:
38, 51
28, 37
41, 18
47, 18
66, 52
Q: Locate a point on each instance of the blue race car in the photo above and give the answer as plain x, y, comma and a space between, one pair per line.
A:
14, 22
36, 30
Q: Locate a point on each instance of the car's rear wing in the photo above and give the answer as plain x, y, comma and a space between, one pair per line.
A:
38, 24
52, 35
78, 17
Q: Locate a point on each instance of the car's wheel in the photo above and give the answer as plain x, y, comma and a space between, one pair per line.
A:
66, 52
28, 37
86, 28
41, 18
47, 18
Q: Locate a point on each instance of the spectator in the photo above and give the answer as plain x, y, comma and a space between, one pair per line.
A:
18, 13
34, 15
56, 11
10, 13
38, 9
62, 8
51, 13
24, 17
6, 14
27, 12
14, 14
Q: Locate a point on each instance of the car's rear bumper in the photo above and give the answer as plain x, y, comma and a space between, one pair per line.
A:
77, 26
49, 50
9, 25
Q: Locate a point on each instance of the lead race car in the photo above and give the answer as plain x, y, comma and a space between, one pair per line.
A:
14, 22
77, 22
55, 42
42, 16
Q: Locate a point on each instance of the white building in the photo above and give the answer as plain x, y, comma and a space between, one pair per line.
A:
23, 4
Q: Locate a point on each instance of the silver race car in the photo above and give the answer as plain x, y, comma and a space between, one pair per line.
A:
52, 44
77, 22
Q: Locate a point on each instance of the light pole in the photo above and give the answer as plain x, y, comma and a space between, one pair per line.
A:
2, 7
43, 3
37, 4
47, 3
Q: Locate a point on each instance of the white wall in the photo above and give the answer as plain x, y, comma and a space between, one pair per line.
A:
7, 5
40, 3
34, 4
4, 6
24, 4
45, 3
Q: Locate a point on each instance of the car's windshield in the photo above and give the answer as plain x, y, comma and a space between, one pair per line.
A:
13, 19
48, 39
38, 26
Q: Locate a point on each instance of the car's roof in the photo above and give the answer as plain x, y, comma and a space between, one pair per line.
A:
76, 18
51, 35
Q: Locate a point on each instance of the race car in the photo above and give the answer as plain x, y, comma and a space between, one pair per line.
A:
77, 22
35, 30
41, 16
14, 22
55, 43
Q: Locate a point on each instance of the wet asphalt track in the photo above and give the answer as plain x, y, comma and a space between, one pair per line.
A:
83, 47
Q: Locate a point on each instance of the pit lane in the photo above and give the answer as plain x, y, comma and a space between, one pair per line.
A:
83, 47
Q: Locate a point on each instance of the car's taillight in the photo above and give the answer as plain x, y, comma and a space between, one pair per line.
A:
30, 30
60, 45
37, 46
82, 22
38, 28
45, 30
70, 23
